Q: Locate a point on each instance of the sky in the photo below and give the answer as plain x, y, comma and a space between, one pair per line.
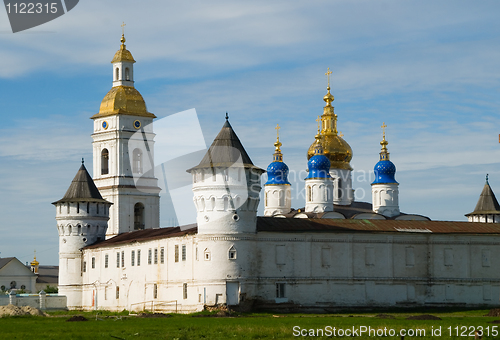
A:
428, 69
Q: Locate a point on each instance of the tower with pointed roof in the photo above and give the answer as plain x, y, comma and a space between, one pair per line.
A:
82, 219
385, 192
123, 149
487, 207
319, 186
226, 187
337, 150
277, 191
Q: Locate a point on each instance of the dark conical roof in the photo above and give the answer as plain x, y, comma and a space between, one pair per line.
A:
487, 203
226, 151
82, 188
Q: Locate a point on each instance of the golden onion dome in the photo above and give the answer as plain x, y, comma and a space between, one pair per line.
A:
123, 54
337, 150
123, 100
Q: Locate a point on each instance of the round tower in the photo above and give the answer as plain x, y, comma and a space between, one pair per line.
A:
277, 191
385, 192
319, 186
337, 150
82, 216
226, 187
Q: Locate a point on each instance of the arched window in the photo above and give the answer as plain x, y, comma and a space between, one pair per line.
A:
137, 161
265, 199
226, 203
231, 253
127, 74
138, 216
67, 208
202, 204
339, 188
213, 202
88, 207
309, 194
281, 194
13, 284
97, 207
206, 254
117, 74
104, 162
77, 208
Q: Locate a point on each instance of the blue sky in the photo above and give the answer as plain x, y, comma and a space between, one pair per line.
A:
428, 69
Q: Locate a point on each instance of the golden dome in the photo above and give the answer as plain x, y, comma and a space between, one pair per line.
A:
123, 54
123, 100
337, 150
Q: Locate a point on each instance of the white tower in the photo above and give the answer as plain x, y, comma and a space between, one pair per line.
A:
487, 207
123, 150
82, 216
226, 187
277, 191
319, 186
385, 192
337, 150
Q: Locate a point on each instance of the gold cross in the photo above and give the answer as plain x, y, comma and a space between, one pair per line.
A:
341, 134
383, 128
278, 130
328, 76
123, 27
318, 120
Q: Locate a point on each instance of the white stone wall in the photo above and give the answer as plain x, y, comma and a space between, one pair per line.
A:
318, 270
343, 194
319, 195
385, 199
277, 199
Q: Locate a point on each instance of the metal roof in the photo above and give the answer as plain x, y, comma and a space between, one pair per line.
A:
145, 235
82, 188
487, 203
5, 260
271, 224
226, 151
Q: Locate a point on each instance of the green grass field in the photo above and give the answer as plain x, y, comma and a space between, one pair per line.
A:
244, 326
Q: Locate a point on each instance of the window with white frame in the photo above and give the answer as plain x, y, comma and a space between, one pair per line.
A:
231, 253
162, 255
183, 252
156, 256
106, 261
132, 258
138, 257
150, 256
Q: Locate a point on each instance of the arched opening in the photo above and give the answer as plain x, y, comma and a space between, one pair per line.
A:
137, 161
138, 216
104, 162
309, 194
127, 74
226, 203
281, 194
117, 74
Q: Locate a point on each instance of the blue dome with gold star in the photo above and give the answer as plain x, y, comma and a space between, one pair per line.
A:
277, 171
319, 164
384, 170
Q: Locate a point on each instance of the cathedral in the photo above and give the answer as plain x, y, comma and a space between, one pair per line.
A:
333, 252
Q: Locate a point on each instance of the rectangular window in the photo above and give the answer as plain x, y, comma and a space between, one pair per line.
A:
196, 254
176, 253
138, 257
150, 255
106, 261
369, 256
485, 257
185, 290
123, 259
156, 255
280, 290
280, 254
105, 293
132, 258
117, 292
410, 257
84, 266
93, 263
155, 291
448, 257
117, 260
183, 252
162, 255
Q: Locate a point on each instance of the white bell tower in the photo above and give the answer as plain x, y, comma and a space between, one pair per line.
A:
123, 151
